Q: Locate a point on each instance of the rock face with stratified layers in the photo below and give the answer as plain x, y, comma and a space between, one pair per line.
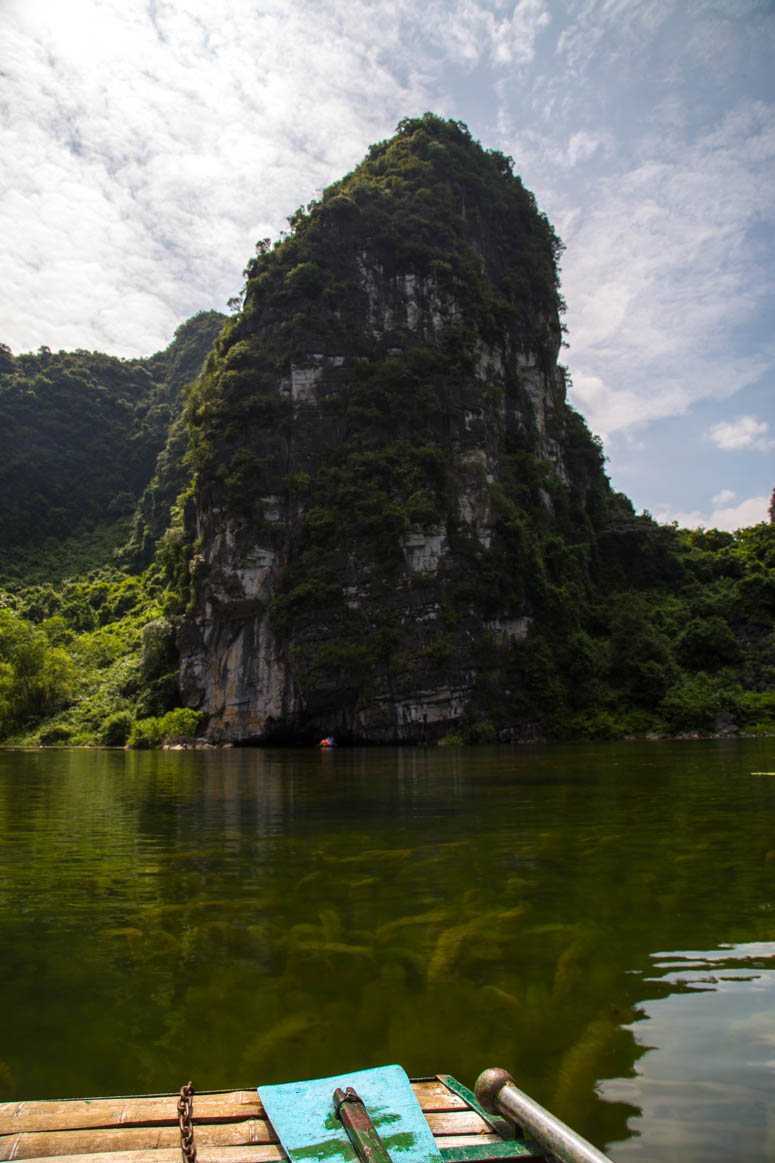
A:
391, 491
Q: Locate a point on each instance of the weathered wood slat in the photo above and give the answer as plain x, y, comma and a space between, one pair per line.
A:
268, 1153
120, 1128
243, 1095
434, 1095
216, 1106
229, 1126
258, 1154
107, 1112
465, 1140
463, 1122
30, 1144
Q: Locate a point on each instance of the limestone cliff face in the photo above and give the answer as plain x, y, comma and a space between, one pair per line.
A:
384, 452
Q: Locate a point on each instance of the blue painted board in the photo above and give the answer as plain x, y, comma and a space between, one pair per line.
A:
302, 1114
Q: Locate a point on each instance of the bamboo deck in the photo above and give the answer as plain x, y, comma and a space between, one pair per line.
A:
229, 1127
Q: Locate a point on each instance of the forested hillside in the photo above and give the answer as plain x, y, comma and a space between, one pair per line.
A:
373, 513
80, 433
91, 460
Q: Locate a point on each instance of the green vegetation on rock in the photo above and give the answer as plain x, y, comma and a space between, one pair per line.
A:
391, 382
82, 663
374, 501
92, 464
80, 433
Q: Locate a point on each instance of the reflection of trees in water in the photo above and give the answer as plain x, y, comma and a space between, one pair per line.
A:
291, 977
257, 917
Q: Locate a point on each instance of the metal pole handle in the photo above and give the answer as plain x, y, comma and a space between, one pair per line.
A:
498, 1093
364, 1136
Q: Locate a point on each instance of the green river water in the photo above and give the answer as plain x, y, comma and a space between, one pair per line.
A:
599, 919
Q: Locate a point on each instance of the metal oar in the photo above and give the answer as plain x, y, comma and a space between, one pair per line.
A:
361, 1131
498, 1093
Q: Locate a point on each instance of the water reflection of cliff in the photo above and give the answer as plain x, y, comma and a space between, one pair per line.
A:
248, 917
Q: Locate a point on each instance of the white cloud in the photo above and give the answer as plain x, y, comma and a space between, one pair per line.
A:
673, 229
582, 146
724, 497
145, 151
665, 202
752, 511
749, 512
518, 40
146, 148
469, 32
743, 432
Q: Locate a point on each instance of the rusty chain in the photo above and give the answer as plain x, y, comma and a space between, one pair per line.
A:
186, 1122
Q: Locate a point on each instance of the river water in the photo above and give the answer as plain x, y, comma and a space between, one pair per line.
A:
599, 919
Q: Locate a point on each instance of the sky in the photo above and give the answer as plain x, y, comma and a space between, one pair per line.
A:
147, 145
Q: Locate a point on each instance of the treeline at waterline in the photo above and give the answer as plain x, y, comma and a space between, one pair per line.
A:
360, 506
92, 660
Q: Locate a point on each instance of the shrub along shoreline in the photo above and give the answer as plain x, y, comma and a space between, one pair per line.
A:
92, 660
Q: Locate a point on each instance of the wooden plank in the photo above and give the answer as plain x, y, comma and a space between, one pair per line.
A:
210, 1106
39, 1140
463, 1122
31, 1144
433, 1095
271, 1154
447, 1141
223, 1120
242, 1095
259, 1154
501, 1127
52, 1115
